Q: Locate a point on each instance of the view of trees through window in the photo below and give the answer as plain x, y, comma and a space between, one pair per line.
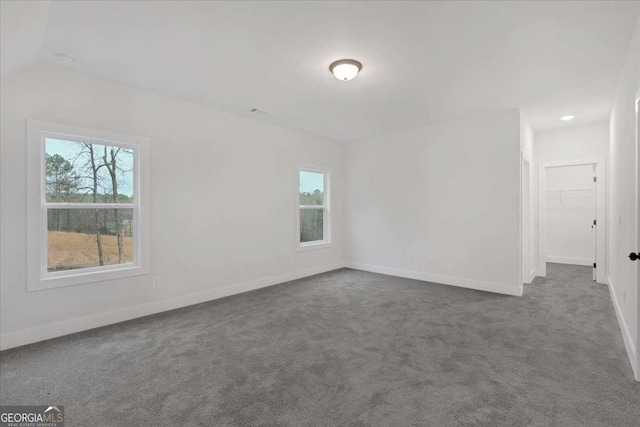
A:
77, 175
312, 206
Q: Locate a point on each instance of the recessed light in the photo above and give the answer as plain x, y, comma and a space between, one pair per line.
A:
566, 118
63, 57
345, 69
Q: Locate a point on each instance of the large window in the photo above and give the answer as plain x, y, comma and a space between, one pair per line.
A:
314, 216
85, 216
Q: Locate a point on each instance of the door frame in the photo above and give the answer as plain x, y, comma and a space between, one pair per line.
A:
601, 226
527, 262
637, 221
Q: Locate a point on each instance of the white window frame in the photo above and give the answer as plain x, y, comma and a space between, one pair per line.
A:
326, 222
38, 278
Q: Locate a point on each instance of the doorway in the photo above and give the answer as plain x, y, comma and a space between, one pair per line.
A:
572, 212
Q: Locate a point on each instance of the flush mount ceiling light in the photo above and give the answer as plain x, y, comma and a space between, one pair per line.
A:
345, 69
566, 118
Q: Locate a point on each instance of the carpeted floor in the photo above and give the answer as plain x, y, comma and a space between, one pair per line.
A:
347, 348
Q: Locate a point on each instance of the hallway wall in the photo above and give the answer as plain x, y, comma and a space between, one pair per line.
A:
573, 142
623, 235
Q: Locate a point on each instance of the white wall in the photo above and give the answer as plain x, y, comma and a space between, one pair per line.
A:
223, 202
440, 203
572, 142
622, 214
570, 237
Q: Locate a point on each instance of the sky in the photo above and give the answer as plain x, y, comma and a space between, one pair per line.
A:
311, 181
70, 149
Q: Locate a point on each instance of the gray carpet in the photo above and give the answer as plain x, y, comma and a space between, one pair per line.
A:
347, 348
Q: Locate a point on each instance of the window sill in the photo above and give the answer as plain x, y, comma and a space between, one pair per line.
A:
83, 278
314, 245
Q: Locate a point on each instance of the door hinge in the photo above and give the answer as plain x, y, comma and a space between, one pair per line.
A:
594, 265
595, 179
595, 222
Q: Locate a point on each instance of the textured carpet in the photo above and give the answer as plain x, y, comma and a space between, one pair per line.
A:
347, 348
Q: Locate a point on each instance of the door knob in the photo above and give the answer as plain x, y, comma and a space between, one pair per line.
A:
634, 256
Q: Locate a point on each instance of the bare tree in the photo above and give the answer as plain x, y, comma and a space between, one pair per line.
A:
111, 162
60, 182
92, 168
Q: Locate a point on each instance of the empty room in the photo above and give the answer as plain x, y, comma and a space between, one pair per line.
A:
319, 213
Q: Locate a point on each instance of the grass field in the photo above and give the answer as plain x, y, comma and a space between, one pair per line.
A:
68, 251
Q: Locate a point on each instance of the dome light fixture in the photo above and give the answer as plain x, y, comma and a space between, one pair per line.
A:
566, 118
345, 69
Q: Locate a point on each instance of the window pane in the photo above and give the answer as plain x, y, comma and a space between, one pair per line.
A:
311, 188
78, 172
81, 238
311, 225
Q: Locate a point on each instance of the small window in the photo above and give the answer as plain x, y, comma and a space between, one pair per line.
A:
314, 215
86, 192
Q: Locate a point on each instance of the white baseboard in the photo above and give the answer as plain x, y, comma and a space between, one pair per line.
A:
498, 288
626, 336
28, 336
567, 260
532, 275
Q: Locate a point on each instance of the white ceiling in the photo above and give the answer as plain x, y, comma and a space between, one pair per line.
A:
22, 27
424, 62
